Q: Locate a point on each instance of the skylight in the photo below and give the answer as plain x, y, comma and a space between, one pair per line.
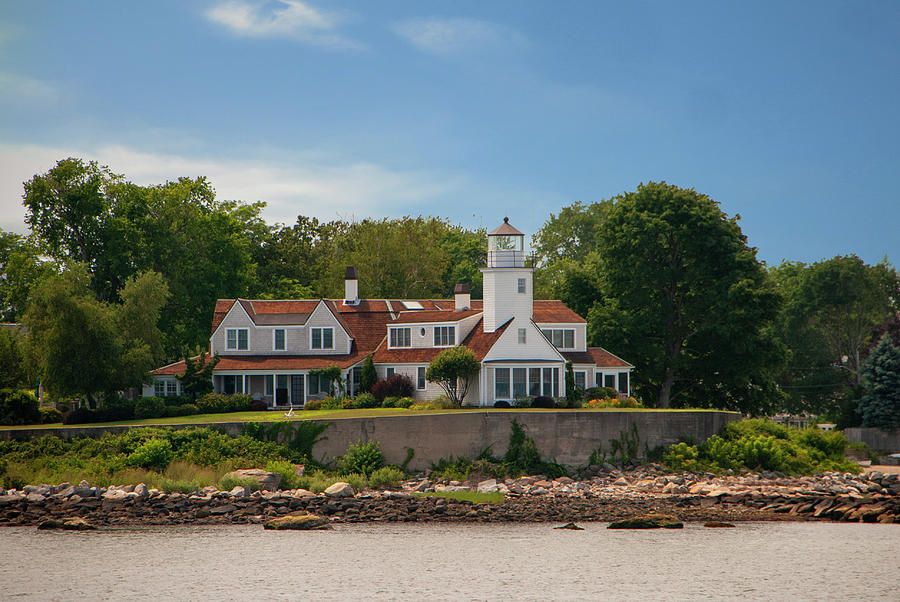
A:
412, 305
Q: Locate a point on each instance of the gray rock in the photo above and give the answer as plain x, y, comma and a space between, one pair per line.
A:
267, 480
141, 490
340, 489
35, 498
423, 486
64, 493
240, 491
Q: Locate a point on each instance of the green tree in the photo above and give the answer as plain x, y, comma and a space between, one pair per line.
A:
12, 359
451, 370
368, 375
197, 378
75, 335
20, 268
567, 258
880, 406
686, 300
83, 346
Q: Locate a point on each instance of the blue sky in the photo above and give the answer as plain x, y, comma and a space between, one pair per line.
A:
788, 113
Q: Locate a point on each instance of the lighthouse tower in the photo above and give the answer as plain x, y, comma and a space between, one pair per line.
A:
508, 285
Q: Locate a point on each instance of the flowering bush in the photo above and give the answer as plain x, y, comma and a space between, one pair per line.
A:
613, 402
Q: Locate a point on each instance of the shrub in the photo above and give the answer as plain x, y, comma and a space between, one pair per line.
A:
229, 483
362, 457
543, 402
330, 403
502, 404
356, 480
313, 404
440, 403
286, 470
187, 409
389, 402
218, 403
522, 402
396, 385
149, 407
405, 402
386, 477
346, 404
153, 453
18, 407
50, 415
258, 405
364, 401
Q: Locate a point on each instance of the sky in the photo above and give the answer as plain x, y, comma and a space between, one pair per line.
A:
787, 113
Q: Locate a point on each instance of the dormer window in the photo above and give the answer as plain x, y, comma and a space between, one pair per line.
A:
278, 339
444, 336
562, 338
400, 337
321, 338
237, 339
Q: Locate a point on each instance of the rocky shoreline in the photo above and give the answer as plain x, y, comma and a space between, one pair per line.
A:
605, 496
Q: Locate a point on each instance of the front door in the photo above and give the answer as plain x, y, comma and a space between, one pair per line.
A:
297, 390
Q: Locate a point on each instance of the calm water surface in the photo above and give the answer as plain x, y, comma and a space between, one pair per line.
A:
777, 561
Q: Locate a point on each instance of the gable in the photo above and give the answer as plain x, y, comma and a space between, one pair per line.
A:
536, 347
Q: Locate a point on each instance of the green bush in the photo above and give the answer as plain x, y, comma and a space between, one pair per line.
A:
149, 407
50, 415
364, 401
522, 402
18, 407
155, 453
286, 470
346, 404
218, 403
764, 445
362, 457
390, 402
405, 402
313, 404
386, 477
229, 483
187, 409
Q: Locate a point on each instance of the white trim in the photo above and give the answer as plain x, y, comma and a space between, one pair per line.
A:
434, 342
322, 337
237, 339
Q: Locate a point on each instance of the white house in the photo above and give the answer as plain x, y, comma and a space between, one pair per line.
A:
271, 349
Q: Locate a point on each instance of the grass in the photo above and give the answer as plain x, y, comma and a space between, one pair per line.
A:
467, 496
278, 416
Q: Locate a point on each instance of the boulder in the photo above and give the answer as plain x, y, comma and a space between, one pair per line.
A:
142, 491
67, 524
571, 527
266, 480
648, 521
298, 522
340, 489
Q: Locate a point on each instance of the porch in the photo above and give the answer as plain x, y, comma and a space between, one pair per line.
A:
284, 390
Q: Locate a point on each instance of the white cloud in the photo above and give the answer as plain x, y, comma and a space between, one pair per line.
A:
279, 18
446, 37
332, 190
26, 90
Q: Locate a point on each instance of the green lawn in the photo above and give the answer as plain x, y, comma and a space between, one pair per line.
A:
275, 416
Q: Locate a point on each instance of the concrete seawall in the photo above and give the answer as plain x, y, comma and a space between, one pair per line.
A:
567, 436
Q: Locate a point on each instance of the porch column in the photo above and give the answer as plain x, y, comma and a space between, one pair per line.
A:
274, 389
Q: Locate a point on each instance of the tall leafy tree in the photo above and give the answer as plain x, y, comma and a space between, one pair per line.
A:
567, 258
880, 406
20, 268
12, 358
686, 300
85, 347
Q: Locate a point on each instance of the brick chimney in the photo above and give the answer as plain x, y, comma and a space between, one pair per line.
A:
462, 296
351, 286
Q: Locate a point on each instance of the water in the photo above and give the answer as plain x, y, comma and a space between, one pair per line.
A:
821, 561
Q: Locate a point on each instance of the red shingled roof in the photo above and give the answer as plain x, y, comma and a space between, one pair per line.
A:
478, 341
605, 359
551, 311
415, 316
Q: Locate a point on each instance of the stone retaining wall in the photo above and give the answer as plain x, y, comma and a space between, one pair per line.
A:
566, 436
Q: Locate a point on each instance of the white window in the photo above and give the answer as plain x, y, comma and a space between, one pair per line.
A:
562, 338
420, 378
165, 387
522, 335
579, 379
315, 384
233, 383
520, 384
236, 338
269, 381
388, 372
501, 383
278, 339
521, 285
322, 338
444, 336
400, 337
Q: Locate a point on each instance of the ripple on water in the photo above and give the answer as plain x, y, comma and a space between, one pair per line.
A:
824, 561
